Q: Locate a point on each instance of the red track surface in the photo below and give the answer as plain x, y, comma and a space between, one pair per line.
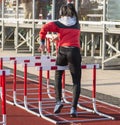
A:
18, 116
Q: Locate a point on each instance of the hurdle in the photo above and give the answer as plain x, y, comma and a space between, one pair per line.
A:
31, 62
94, 110
15, 61
27, 62
94, 81
36, 63
52, 66
45, 116
3, 74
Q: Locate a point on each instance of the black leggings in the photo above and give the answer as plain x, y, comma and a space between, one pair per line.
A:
69, 56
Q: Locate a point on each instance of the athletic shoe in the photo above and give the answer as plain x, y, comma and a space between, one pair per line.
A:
58, 107
73, 112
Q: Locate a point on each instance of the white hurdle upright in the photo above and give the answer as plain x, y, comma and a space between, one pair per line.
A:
3, 74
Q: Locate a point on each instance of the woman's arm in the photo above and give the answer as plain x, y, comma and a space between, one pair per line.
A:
49, 27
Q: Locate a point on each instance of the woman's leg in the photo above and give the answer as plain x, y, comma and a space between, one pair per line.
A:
58, 84
61, 61
74, 62
58, 81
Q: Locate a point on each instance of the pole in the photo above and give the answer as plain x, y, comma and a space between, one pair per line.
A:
104, 29
77, 5
53, 9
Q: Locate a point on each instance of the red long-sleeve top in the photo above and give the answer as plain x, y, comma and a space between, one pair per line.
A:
68, 35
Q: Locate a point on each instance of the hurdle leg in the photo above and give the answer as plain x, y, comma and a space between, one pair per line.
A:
1, 66
85, 108
40, 99
63, 89
25, 86
48, 85
14, 83
94, 97
40, 92
25, 92
3, 97
14, 87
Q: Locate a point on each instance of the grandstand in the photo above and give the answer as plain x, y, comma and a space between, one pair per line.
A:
99, 31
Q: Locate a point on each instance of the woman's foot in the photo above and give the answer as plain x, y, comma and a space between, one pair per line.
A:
58, 107
73, 112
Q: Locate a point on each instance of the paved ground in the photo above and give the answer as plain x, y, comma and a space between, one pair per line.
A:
21, 116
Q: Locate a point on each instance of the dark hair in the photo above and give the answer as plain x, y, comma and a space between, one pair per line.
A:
68, 10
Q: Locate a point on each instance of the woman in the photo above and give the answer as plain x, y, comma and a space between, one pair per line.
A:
68, 29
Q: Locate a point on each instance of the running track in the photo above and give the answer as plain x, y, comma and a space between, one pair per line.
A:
18, 116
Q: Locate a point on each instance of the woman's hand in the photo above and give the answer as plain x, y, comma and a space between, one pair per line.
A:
55, 38
41, 48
